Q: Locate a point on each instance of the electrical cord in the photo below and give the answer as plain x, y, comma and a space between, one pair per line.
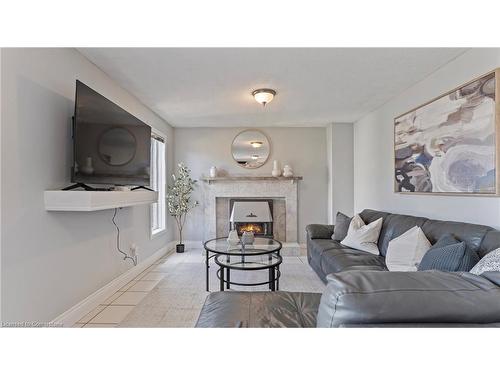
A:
126, 256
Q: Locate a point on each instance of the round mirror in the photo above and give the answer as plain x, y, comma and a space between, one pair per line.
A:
117, 146
251, 149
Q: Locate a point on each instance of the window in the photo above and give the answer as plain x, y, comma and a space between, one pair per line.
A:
158, 183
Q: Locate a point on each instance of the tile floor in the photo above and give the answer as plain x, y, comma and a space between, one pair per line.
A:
171, 292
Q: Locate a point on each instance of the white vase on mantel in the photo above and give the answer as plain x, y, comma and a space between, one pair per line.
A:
276, 169
213, 172
287, 171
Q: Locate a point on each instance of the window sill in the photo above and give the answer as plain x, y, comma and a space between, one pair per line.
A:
157, 233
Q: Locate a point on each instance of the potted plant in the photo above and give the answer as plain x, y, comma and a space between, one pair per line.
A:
178, 199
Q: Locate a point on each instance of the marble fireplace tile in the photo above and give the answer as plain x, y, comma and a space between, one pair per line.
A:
251, 189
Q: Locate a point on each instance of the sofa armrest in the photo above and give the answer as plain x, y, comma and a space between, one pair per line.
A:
322, 231
375, 297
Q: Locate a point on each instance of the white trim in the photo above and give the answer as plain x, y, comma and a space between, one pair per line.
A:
162, 190
159, 132
71, 316
157, 233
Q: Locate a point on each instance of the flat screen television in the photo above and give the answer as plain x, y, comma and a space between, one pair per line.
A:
110, 146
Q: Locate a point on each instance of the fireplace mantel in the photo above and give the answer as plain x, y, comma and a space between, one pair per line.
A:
250, 178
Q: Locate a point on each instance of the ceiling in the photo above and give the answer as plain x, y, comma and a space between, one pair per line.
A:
316, 86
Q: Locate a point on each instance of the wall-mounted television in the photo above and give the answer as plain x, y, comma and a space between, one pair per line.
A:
110, 146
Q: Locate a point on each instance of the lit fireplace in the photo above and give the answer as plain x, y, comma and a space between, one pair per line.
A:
253, 215
257, 228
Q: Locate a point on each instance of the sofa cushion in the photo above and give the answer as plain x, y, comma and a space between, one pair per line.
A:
316, 248
471, 234
259, 309
491, 241
316, 231
342, 223
371, 297
344, 259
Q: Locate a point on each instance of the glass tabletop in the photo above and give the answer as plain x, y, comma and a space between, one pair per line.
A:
260, 245
249, 261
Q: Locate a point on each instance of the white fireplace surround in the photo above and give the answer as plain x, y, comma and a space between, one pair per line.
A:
251, 188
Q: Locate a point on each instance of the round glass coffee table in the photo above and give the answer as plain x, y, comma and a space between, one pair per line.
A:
263, 253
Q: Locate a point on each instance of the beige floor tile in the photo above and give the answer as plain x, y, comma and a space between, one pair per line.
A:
112, 314
141, 275
87, 317
129, 298
108, 300
154, 276
180, 318
144, 316
127, 286
143, 286
165, 267
78, 325
175, 298
291, 260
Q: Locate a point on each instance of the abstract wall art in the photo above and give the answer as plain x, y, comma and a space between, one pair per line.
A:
449, 145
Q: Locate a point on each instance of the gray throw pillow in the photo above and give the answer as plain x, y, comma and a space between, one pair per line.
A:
341, 226
445, 240
449, 255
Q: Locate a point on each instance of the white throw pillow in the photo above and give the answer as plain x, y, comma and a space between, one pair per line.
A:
490, 262
405, 252
363, 237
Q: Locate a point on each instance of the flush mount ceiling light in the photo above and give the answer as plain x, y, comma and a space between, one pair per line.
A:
263, 96
256, 144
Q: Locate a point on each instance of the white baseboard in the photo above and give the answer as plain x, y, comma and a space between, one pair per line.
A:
71, 316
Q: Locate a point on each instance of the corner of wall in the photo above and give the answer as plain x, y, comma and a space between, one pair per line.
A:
340, 154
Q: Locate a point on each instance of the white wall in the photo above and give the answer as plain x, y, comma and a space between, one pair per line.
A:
304, 149
373, 145
340, 157
52, 260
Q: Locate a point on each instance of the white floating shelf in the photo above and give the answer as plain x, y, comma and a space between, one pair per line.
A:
60, 200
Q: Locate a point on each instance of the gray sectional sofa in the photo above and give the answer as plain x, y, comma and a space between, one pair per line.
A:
361, 292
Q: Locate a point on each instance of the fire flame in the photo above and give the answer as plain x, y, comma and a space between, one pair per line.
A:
251, 227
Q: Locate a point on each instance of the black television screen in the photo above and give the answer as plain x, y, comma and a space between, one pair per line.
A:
110, 145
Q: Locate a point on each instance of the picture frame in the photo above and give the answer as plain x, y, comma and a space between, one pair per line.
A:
449, 145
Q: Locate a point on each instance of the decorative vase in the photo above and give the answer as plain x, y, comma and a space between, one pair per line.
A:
233, 238
247, 238
213, 172
287, 171
276, 170
88, 167
179, 248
